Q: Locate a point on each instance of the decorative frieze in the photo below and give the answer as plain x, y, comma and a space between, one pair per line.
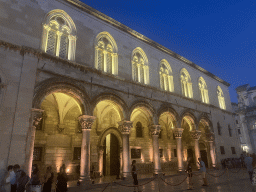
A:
86, 121
125, 126
155, 129
195, 134
178, 132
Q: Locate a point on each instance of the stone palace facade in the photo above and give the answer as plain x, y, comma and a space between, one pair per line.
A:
80, 88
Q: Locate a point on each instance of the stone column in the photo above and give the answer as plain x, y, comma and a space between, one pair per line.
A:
210, 138
178, 135
196, 135
36, 117
86, 122
155, 130
101, 152
125, 127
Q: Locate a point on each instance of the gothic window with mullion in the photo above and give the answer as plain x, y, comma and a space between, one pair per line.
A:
186, 84
140, 69
139, 129
106, 54
166, 78
203, 90
221, 98
59, 35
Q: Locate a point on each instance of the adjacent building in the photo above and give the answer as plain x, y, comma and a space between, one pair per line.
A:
246, 117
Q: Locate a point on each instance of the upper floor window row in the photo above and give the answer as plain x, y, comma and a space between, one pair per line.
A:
59, 39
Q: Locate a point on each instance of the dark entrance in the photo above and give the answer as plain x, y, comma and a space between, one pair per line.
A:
113, 157
191, 154
204, 157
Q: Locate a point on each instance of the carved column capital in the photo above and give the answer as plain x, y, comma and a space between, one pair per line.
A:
210, 136
178, 132
195, 134
125, 126
36, 116
101, 149
155, 129
86, 121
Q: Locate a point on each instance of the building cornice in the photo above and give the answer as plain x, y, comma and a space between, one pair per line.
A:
120, 26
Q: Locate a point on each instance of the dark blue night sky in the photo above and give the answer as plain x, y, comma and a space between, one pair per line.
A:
218, 35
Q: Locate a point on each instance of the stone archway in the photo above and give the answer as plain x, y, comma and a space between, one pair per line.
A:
52, 140
110, 152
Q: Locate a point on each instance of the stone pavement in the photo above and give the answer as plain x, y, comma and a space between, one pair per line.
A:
229, 181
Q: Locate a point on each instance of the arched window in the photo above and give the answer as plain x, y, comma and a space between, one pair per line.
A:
221, 98
219, 128
59, 35
140, 66
106, 54
139, 129
203, 90
166, 78
186, 83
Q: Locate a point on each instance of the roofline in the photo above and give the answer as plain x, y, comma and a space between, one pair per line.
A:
141, 37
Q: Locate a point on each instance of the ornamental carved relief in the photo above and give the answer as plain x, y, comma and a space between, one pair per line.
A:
155, 129
36, 115
195, 134
210, 136
86, 121
125, 126
178, 132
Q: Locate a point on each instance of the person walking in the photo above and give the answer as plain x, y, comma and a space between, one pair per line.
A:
203, 171
248, 163
62, 180
134, 176
189, 171
48, 179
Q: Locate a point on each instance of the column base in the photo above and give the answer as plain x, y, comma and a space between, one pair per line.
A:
157, 172
126, 176
85, 180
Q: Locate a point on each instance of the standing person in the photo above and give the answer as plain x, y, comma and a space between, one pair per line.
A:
35, 176
203, 171
22, 178
9, 176
134, 175
189, 171
62, 180
48, 179
13, 180
248, 163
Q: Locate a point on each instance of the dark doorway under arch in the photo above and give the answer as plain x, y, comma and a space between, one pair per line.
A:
111, 156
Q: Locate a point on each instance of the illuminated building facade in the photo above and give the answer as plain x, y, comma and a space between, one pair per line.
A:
79, 88
246, 117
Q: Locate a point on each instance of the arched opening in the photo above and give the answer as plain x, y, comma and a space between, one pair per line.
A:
58, 135
108, 113
187, 141
142, 119
168, 123
203, 153
111, 157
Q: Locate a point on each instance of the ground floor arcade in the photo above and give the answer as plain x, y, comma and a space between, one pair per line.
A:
63, 131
